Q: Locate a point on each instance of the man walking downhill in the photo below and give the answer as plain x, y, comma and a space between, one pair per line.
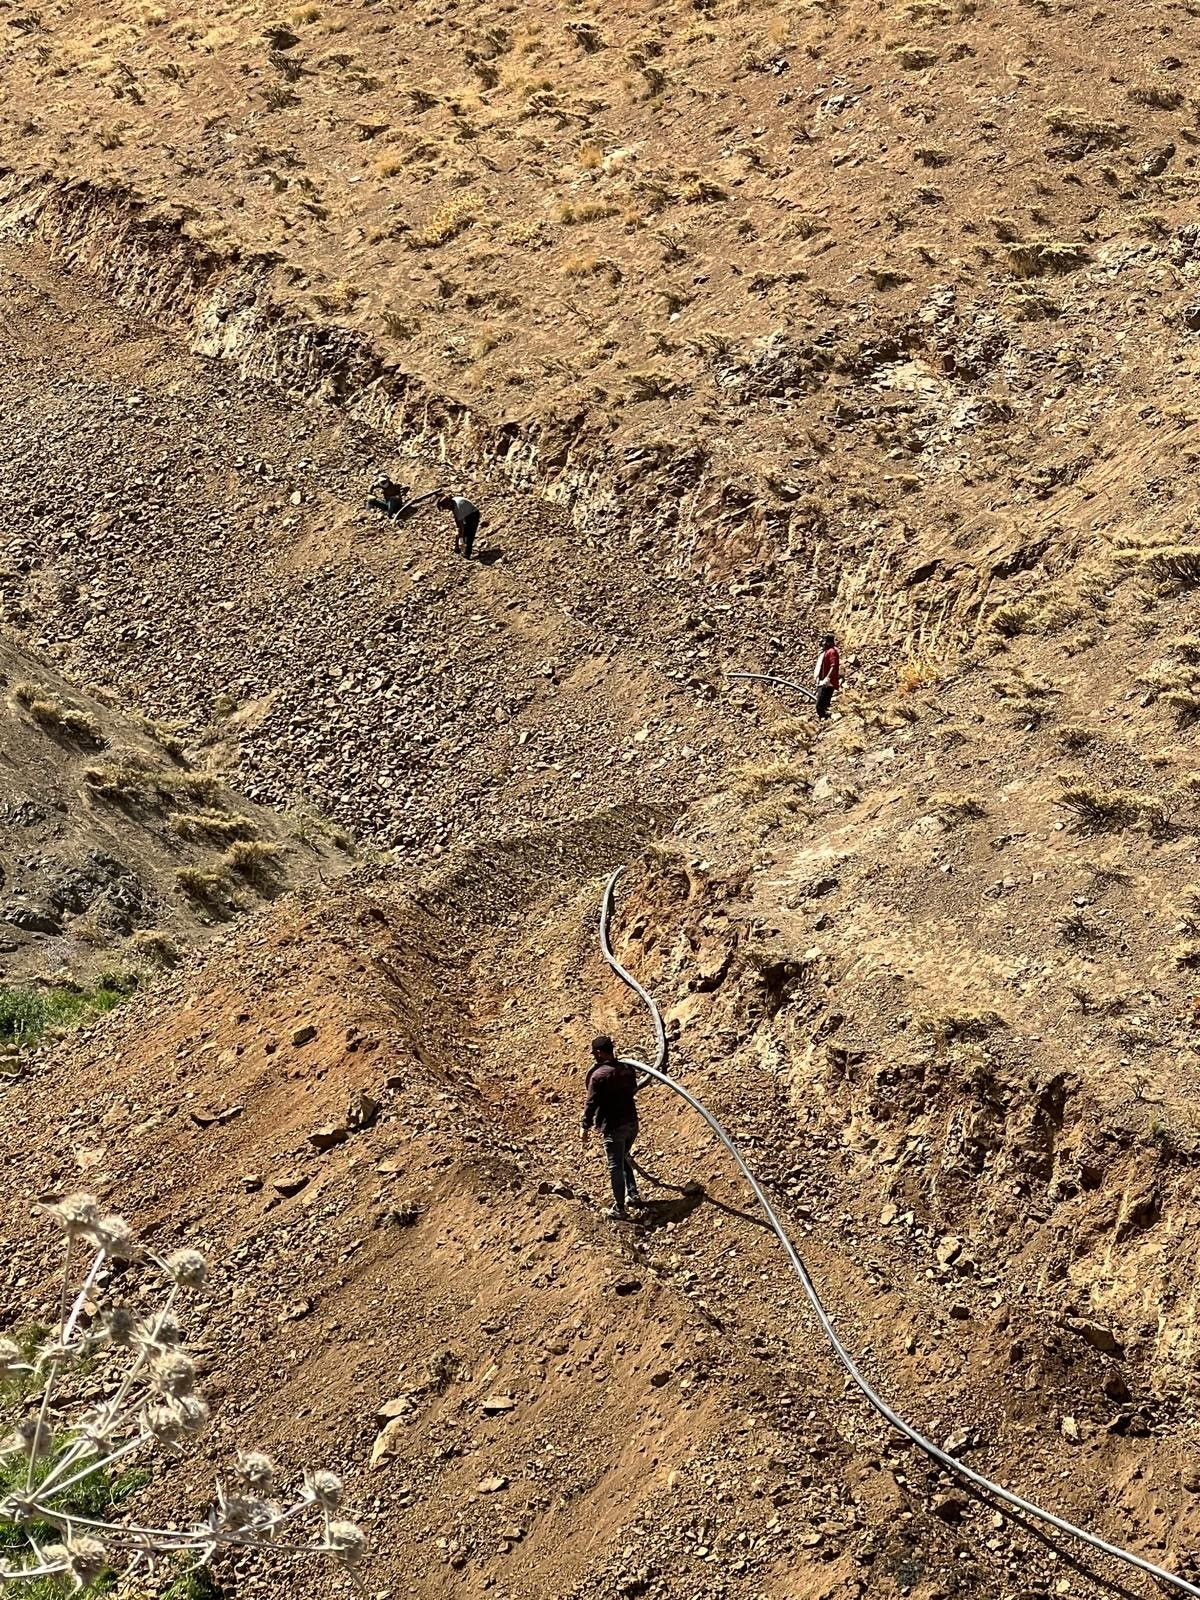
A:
828, 674
611, 1087
466, 521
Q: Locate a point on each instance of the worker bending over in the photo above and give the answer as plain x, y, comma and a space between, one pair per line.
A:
466, 521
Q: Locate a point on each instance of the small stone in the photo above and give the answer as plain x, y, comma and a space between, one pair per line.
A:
960, 1312
304, 1035
388, 1443
363, 1111
950, 1507
251, 1182
492, 1485
1115, 1387
496, 1404
328, 1137
290, 1183
1070, 1430
949, 1250
391, 1409
1096, 1334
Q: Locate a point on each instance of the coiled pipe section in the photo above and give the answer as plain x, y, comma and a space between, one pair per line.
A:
958, 1468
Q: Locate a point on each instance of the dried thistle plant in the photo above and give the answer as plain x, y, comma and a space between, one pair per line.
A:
58, 1486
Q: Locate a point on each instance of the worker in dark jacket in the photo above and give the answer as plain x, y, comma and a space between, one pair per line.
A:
466, 521
611, 1107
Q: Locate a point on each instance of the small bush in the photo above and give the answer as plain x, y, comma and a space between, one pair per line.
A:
215, 827
575, 211
1103, 810
1041, 257
450, 219
915, 675
154, 947
1096, 132
1073, 738
255, 860
1161, 96
954, 1027
952, 809
206, 888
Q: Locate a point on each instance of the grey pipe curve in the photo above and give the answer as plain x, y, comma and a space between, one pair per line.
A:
767, 677
967, 1474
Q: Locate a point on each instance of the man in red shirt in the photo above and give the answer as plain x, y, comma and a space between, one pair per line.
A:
828, 674
611, 1087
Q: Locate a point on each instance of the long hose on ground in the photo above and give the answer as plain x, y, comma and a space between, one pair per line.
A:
942, 1457
767, 677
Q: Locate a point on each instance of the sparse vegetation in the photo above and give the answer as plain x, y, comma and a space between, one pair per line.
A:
1098, 810
130, 785
27, 1014
952, 809
213, 827
206, 888
256, 860
48, 712
959, 1027
154, 948
757, 778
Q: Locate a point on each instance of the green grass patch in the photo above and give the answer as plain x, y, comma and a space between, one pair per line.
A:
27, 1014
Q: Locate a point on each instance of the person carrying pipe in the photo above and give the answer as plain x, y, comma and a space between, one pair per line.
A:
611, 1107
466, 521
387, 496
828, 674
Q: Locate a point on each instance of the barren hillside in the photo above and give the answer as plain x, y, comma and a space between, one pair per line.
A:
739, 322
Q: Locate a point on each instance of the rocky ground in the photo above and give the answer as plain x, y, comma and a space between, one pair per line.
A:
116, 855
904, 345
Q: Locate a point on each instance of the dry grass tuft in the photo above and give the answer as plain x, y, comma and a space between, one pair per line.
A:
1161, 96
451, 218
959, 1027
757, 778
155, 947
915, 675
49, 713
214, 827
1039, 258
952, 809
259, 862
1106, 810
1095, 132
208, 888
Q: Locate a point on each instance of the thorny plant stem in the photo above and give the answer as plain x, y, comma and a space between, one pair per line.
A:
102, 1461
180, 1538
53, 1372
109, 1415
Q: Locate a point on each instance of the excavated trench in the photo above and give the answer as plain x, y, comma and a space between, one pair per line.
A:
235, 310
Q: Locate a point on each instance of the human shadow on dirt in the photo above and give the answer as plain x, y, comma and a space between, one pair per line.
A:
658, 1213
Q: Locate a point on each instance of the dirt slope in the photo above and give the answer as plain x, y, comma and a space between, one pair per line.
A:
577, 1413
739, 323
115, 852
